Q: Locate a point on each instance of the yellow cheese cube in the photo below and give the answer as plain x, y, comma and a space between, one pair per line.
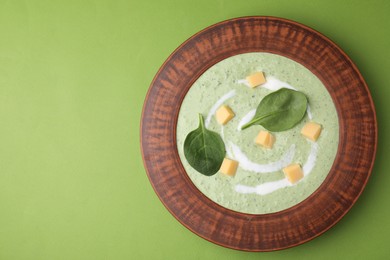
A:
311, 130
265, 138
224, 114
256, 79
229, 167
293, 173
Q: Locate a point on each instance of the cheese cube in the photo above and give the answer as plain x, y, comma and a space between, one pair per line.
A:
256, 79
229, 167
265, 139
311, 130
293, 173
224, 114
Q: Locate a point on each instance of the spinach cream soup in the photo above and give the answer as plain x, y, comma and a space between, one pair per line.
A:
259, 185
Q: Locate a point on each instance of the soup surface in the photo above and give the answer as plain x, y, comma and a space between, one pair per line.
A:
259, 185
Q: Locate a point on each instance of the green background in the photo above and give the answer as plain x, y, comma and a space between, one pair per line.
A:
73, 77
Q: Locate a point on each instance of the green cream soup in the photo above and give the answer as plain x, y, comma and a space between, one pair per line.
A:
259, 185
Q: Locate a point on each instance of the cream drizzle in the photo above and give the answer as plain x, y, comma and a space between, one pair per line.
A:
248, 165
248, 117
263, 189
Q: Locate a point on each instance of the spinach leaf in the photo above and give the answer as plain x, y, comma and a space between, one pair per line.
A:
204, 149
280, 110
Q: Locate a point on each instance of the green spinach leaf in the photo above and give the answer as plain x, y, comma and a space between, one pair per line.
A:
204, 149
280, 110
